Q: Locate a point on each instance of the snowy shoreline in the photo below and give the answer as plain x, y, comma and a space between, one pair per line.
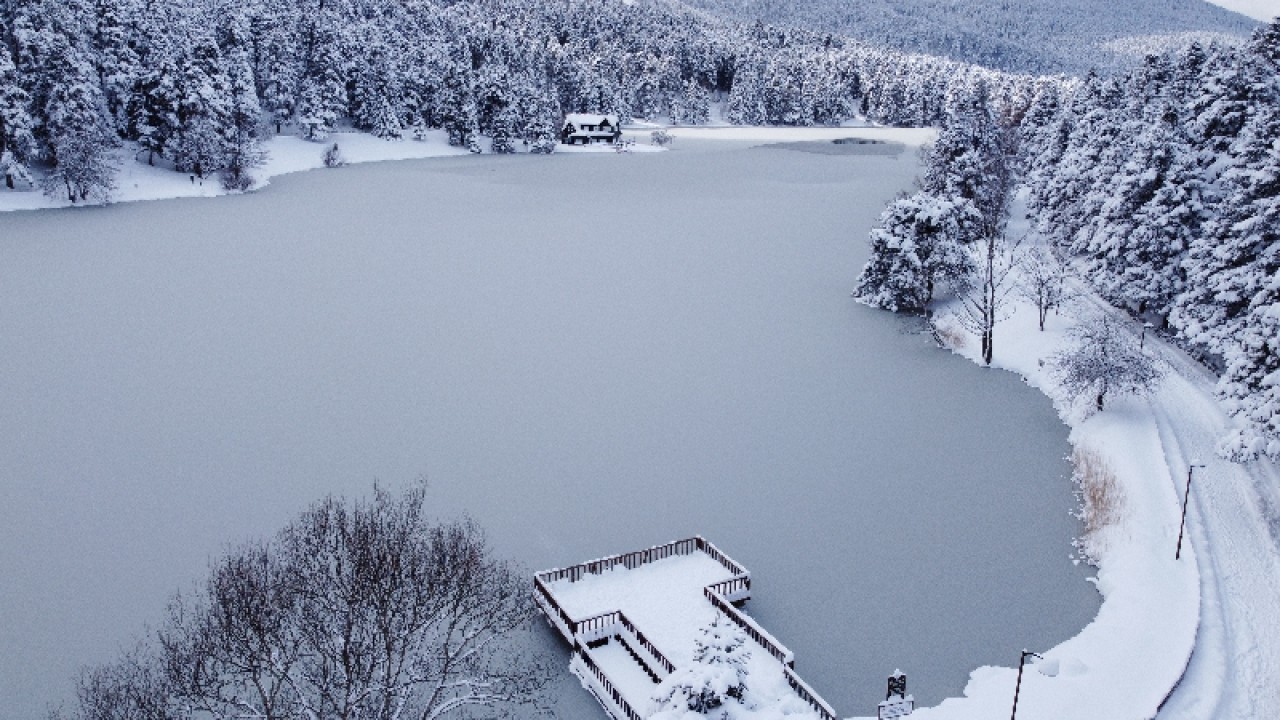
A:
136, 180
288, 154
1131, 658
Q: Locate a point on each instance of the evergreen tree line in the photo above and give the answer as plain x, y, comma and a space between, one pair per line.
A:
1164, 185
198, 84
1040, 36
1161, 186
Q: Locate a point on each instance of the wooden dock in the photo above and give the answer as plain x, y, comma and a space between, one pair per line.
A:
630, 630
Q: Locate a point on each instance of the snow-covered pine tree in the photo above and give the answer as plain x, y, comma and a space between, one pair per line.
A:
378, 93
919, 243
204, 113
502, 131
17, 143
969, 159
457, 107
542, 130
117, 63
717, 674
242, 150
80, 136
322, 98
153, 112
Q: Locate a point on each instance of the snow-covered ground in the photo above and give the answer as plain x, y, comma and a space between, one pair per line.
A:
1214, 614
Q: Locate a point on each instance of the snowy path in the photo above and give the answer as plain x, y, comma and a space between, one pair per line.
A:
1232, 521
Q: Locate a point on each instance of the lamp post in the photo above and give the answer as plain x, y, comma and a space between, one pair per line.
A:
1186, 495
1018, 688
1142, 341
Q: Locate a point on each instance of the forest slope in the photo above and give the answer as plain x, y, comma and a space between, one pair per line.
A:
1040, 36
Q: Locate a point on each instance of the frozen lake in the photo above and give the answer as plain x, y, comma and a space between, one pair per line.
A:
591, 354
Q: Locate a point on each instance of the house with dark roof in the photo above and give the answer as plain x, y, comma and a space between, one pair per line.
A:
583, 128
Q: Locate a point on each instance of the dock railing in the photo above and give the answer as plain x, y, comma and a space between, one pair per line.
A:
606, 685
749, 626
739, 587
806, 693
635, 559
616, 623
721, 594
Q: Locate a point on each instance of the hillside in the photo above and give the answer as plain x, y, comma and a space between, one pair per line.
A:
1042, 36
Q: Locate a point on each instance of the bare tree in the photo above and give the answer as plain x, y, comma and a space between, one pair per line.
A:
984, 292
132, 688
1104, 360
1042, 282
229, 652
403, 619
358, 610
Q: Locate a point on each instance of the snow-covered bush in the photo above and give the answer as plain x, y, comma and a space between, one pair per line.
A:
717, 674
543, 146
1104, 360
14, 172
236, 182
333, 157
947, 333
661, 138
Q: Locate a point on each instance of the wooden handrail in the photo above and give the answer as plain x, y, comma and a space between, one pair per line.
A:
806, 693
607, 685
635, 559
717, 593
770, 645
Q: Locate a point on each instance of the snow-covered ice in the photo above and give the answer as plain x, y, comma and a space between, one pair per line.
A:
680, 357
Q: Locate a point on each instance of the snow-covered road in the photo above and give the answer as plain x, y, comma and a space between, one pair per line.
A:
1233, 522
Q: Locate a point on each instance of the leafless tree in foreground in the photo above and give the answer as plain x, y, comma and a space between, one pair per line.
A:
358, 610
